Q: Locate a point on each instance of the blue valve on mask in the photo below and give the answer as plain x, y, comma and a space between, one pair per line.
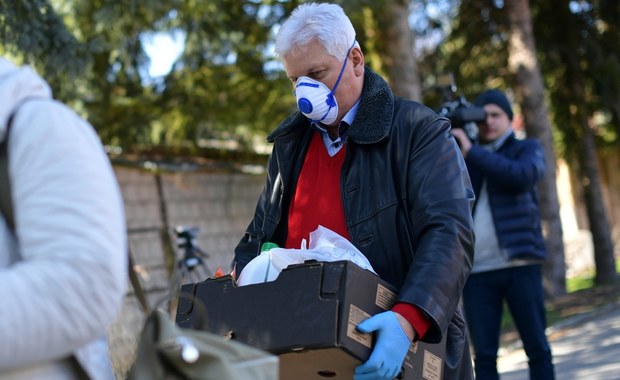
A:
316, 101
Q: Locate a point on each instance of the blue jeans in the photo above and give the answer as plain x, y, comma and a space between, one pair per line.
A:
483, 297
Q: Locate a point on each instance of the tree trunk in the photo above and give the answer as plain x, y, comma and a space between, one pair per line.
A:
399, 60
530, 91
604, 259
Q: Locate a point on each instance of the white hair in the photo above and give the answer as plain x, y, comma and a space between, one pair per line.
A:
324, 22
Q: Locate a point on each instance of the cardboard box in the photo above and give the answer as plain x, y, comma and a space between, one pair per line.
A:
307, 316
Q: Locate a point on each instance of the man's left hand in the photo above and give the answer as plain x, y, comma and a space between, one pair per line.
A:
390, 349
462, 139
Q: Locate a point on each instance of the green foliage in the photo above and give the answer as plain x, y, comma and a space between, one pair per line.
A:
585, 52
579, 283
33, 31
476, 52
92, 54
584, 280
226, 84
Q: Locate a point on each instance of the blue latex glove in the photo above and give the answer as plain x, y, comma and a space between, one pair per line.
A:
390, 350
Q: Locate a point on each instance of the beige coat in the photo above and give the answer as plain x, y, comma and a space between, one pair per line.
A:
63, 271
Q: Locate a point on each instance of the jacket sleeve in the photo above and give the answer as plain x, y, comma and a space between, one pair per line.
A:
518, 172
64, 279
249, 246
440, 203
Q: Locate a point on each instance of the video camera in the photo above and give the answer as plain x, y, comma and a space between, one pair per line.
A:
459, 111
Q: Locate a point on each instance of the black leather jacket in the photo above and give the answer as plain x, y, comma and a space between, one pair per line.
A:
407, 199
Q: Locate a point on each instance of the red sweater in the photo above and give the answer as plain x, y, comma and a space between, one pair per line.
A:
317, 198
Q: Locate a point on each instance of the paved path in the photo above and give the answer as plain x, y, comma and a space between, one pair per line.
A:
588, 348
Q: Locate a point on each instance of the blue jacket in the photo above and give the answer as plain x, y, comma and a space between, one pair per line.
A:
511, 174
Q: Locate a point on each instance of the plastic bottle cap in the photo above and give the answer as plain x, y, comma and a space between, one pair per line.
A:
267, 246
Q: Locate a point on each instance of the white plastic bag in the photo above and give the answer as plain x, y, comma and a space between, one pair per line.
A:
325, 245
259, 269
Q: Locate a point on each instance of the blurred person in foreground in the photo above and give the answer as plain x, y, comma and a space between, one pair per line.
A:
383, 172
509, 246
63, 259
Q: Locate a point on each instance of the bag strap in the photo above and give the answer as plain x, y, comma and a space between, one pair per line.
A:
6, 201
6, 205
138, 289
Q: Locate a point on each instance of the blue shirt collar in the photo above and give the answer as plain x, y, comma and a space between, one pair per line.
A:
333, 146
347, 118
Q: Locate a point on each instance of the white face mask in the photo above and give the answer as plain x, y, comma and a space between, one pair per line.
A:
315, 100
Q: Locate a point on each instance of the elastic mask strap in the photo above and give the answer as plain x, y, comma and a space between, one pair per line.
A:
331, 102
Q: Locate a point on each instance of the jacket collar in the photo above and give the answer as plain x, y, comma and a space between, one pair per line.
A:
372, 122
495, 145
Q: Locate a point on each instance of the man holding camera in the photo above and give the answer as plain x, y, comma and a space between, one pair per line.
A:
509, 247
